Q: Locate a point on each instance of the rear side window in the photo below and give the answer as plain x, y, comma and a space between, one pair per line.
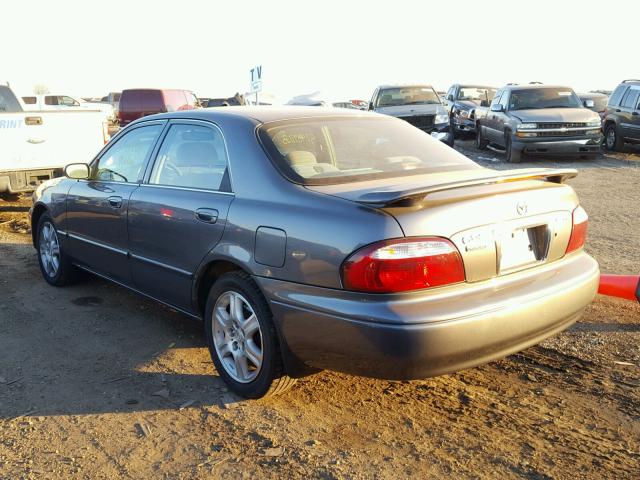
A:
192, 156
29, 100
124, 161
630, 100
617, 95
51, 100
175, 100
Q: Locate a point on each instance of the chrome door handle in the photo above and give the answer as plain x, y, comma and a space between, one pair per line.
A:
207, 215
115, 202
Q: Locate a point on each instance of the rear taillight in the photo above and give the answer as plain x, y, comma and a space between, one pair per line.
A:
403, 264
578, 230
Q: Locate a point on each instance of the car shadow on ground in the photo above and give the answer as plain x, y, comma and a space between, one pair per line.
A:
95, 347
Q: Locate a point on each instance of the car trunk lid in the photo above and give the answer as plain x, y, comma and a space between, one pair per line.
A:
501, 221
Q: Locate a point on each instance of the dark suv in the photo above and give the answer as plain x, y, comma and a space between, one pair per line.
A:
622, 117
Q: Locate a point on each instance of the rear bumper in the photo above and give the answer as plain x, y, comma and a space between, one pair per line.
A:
568, 146
425, 334
26, 180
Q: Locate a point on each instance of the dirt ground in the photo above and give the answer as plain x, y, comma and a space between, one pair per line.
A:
97, 382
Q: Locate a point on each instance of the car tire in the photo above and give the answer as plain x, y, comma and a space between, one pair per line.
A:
55, 266
481, 142
242, 338
612, 141
512, 156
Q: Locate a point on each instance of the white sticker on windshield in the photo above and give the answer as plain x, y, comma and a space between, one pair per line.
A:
564, 94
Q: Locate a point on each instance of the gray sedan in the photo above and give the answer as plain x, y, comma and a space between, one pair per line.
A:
312, 238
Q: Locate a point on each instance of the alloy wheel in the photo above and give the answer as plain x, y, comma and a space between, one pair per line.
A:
237, 337
49, 248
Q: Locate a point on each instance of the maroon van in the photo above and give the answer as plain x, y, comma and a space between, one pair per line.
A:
139, 102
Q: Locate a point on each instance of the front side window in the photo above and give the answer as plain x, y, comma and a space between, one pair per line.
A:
398, 96
29, 100
68, 101
539, 98
192, 156
51, 100
124, 161
332, 150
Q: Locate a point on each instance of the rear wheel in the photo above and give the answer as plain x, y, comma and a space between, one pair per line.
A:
481, 142
242, 339
55, 266
512, 155
612, 141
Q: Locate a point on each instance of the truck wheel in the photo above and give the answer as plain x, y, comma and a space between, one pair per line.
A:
55, 266
513, 156
242, 338
481, 142
612, 141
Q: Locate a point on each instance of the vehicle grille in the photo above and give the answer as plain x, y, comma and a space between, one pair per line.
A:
420, 121
562, 125
558, 126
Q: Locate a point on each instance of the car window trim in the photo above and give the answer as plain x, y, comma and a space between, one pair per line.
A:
154, 155
115, 140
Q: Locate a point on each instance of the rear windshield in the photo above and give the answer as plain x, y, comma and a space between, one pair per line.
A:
397, 96
537, 98
332, 150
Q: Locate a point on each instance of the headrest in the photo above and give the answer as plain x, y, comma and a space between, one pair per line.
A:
196, 154
301, 157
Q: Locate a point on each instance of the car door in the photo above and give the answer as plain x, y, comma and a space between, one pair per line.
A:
96, 222
629, 113
179, 213
490, 121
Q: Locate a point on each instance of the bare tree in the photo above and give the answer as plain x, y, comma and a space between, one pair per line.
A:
40, 89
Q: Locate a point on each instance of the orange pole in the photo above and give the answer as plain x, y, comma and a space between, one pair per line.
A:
622, 286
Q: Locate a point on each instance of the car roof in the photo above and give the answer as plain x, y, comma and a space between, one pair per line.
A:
405, 85
262, 113
535, 86
475, 85
592, 95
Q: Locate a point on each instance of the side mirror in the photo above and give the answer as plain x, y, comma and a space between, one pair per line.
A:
498, 107
370, 107
589, 103
77, 171
450, 98
484, 103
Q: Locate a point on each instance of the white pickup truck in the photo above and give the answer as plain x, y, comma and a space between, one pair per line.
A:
51, 101
36, 145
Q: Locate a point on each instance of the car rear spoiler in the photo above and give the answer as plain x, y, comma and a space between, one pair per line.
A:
411, 195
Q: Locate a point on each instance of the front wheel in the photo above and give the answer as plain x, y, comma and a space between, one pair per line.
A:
242, 339
55, 266
612, 141
481, 142
512, 155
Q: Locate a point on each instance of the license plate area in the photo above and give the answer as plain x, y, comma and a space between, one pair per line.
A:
522, 247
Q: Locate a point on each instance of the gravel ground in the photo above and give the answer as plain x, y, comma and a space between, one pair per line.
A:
96, 382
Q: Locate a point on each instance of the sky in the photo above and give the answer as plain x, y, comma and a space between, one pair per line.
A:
342, 48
